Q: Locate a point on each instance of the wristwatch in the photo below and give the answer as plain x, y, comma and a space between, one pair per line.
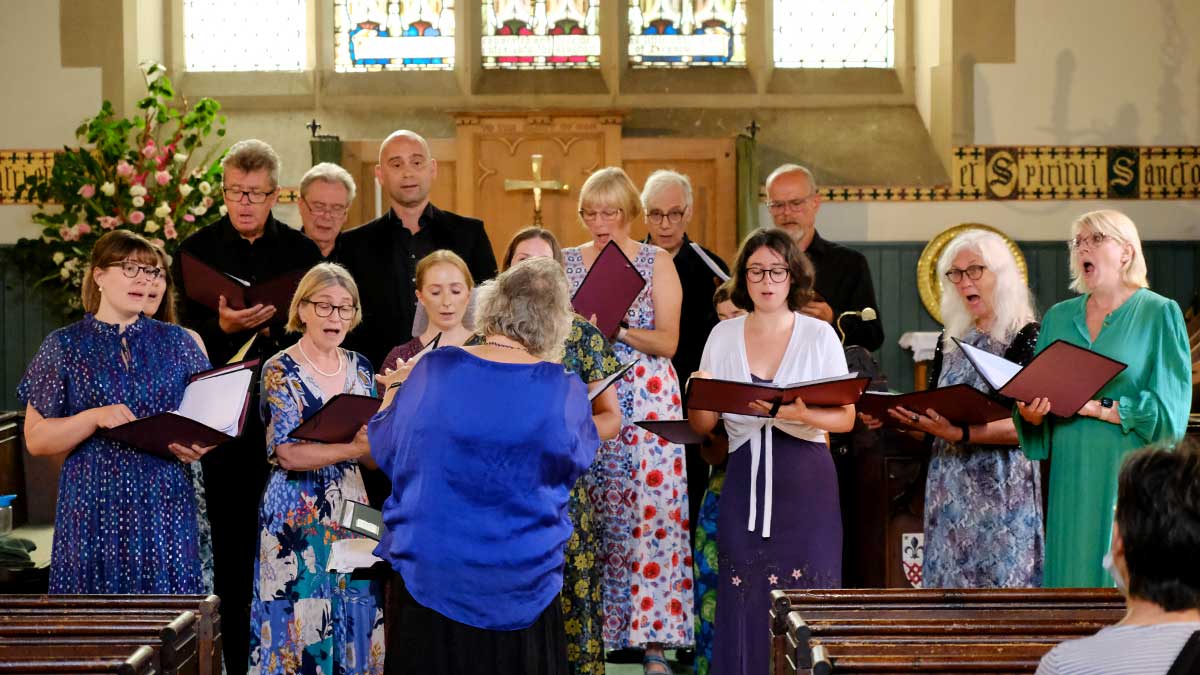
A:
1106, 403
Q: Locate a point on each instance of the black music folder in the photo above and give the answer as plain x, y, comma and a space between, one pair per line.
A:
959, 403
338, 420
608, 290
728, 396
676, 431
205, 284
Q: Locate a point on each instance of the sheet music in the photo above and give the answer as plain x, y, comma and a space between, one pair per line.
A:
712, 264
820, 380
217, 401
348, 555
997, 370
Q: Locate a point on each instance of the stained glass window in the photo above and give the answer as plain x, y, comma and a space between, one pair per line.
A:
685, 33
231, 35
393, 35
843, 34
541, 34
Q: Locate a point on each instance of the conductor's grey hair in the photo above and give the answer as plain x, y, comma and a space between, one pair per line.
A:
529, 302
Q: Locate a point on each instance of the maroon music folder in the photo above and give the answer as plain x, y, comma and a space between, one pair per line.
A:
676, 431
727, 396
959, 403
206, 284
608, 290
213, 411
1066, 374
338, 420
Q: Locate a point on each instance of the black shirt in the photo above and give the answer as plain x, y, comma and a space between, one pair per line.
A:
697, 315
382, 257
844, 282
278, 251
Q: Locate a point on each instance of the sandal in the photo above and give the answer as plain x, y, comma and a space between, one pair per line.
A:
655, 660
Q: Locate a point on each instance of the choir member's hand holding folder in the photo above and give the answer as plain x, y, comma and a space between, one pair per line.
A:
608, 290
727, 396
959, 403
206, 285
1067, 375
212, 412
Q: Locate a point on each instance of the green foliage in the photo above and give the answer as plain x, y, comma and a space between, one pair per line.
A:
142, 174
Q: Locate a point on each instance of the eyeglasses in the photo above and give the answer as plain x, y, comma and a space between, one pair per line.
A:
254, 196
777, 274
973, 272
131, 269
1082, 240
673, 216
603, 214
323, 209
324, 309
790, 205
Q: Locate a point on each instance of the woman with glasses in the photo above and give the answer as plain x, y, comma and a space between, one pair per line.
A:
1118, 316
303, 618
638, 484
444, 286
983, 497
125, 520
779, 520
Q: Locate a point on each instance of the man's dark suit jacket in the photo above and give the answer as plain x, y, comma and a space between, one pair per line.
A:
382, 256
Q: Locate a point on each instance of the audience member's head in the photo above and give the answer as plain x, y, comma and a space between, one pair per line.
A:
771, 272
529, 303
326, 192
1156, 533
406, 169
251, 185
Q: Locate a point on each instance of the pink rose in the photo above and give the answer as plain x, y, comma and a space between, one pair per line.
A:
207, 202
137, 217
139, 179
83, 228
124, 169
66, 234
149, 150
108, 222
162, 177
158, 242
169, 230
87, 191
189, 217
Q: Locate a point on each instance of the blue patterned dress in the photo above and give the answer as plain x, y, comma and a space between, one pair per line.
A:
706, 569
638, 486
302, 618
126, 520
983, 503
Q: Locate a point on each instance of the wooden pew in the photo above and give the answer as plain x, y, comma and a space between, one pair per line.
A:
59, 659
991, 659
171, 635
206, 607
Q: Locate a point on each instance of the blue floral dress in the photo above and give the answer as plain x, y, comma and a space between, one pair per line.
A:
983, 503
302, 618
638, 486
705, 569
126, 520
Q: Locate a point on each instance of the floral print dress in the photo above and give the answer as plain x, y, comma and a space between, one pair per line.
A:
302, 618
638, 487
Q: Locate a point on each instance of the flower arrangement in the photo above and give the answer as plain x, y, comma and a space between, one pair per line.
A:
140, 174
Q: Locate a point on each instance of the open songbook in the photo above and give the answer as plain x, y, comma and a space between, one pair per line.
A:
360, 518
1066, 374
608, 290
212, 412
205, 284
727, 396
598, 388
338, 420
959, 403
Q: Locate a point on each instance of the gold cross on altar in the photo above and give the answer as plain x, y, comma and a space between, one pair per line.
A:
536, 185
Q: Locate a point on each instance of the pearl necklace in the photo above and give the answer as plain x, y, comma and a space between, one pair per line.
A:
300, 345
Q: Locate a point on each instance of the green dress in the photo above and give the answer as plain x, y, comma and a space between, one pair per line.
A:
1153, 395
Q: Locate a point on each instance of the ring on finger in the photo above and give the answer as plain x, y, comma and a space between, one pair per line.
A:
914, 419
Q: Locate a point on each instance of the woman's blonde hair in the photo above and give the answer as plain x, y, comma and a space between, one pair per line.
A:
443, 256
611, 187
317, 279
112, 248
529, 302
1012, 302
1119, 227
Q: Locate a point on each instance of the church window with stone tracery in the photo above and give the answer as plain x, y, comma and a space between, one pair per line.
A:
842, 34
540, 34
233, 35
686, 33
371, 35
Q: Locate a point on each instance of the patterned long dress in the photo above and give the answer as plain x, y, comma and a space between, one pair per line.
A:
983, 503
638, 486
302, 618
706, 569
126, 520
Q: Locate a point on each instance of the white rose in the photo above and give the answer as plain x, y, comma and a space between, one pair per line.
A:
204, 187
108, 189
139, 202
181, 157
150, 227
137, 190
59, 258
223, 210
163, 210
199, 210
64, 273
185, 189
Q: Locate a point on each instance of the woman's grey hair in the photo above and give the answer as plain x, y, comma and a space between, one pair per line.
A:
1011, 301
328, 172
662, 179
253, 155
530, 303
1119, 227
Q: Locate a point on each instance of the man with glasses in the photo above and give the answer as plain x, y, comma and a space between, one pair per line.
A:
843, 282
326, 192
250, 244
